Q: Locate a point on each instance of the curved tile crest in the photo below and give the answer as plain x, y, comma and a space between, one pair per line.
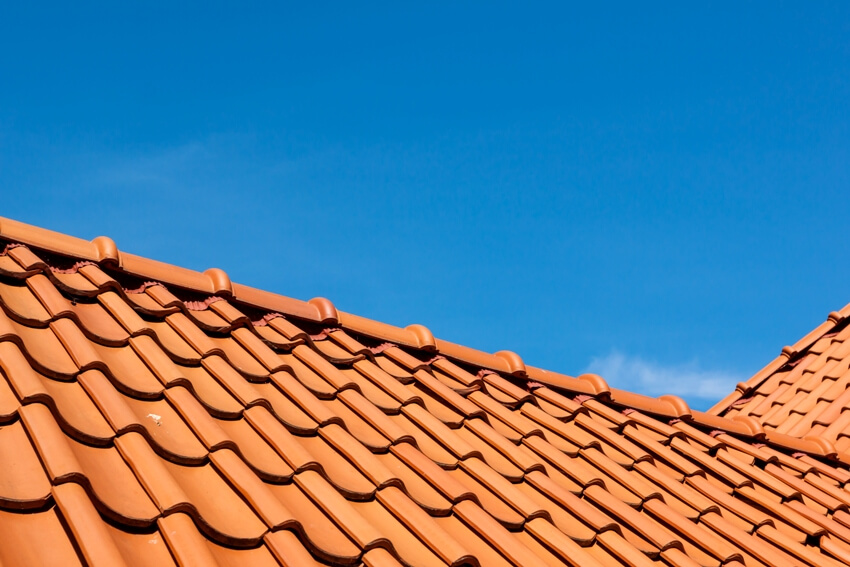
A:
753, 426
219, 282
327, 313
107, 251
424, 338
597, 382
516, 367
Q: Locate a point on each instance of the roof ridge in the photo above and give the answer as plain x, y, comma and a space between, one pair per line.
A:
788, 354
103, 251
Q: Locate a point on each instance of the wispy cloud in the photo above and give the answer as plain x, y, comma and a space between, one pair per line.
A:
164, 168
688, 380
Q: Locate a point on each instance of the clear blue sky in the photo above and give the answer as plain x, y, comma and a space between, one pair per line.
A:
656, 193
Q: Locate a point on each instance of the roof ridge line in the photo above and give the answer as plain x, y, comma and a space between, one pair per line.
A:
788, 353
214, 281
102, 250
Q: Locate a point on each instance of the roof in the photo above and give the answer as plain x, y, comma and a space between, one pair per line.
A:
804, 391
152, 415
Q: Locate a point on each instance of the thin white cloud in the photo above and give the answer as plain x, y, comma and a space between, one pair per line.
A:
649, 377
158, 168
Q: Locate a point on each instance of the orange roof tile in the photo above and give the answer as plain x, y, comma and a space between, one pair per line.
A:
804, 393
152, 415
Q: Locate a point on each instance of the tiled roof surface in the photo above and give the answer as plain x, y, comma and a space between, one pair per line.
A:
155, 416
804, 392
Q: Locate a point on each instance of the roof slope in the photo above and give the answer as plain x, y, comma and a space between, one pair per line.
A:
804, 392
155, 416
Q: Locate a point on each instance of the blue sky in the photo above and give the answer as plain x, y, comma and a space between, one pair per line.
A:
658, 194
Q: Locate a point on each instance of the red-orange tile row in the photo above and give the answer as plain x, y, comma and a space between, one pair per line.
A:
215, 284
142, 428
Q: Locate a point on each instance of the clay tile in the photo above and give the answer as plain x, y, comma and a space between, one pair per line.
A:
365, 461
424, 337
499, 537
834, 317
55, 303
743, 388
185, 542
827, 448
77, 345
192, 334
325, 311
90, 531
679, 405
379, 557
107, 251
516, 366
255, 491
600, 386
219, 282
102, 469
357, 527
23, 482
26, 258
557, 541
24, 538
288, 549
753, 426
197, 418
787, 352
418, 521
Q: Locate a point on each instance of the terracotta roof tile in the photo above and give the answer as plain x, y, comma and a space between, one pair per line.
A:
162, 425
804, 392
